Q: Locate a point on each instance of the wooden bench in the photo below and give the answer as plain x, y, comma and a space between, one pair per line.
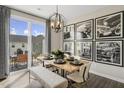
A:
48, 79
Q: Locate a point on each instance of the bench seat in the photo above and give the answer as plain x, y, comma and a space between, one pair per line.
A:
47, 78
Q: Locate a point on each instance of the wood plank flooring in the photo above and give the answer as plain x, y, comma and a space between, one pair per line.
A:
96, 81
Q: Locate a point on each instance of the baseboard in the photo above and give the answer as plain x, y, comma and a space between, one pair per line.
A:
108, 76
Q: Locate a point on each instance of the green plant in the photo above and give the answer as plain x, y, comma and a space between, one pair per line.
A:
58, 54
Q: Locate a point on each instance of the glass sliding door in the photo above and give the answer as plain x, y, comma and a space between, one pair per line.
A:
27, 42
18, 44
38, 38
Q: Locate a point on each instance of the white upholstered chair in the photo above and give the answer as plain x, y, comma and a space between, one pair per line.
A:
82, 75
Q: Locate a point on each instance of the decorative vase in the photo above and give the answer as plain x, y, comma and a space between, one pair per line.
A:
58, 60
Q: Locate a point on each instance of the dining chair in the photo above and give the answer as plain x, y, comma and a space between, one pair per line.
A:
80, 76
77, 57
22, 59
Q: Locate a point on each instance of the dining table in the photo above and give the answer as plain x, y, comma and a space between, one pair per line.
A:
45, 61
41, 59
66, 67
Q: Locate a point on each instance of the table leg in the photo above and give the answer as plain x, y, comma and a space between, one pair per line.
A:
62, 72
43, 64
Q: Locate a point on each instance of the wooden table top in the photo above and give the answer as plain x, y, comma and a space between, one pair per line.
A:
40, 57
66, 66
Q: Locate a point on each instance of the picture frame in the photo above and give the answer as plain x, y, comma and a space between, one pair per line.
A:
84, 30
109, 26
109, 52
69, 47
84, 50
68, 32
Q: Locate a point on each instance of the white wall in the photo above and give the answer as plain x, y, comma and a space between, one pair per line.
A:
56, 40
113, 72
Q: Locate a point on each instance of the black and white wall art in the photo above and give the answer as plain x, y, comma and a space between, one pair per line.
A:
100, 39
69, 47
84, 50
84, 30
109, 52
110, 26
69, 32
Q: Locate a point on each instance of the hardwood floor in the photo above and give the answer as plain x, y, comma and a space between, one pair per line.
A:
96, 81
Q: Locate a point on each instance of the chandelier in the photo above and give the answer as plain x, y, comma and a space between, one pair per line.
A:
56, 21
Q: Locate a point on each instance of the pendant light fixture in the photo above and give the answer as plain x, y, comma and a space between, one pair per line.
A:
57, 21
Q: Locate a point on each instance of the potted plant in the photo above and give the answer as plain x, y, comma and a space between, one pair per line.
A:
58, 55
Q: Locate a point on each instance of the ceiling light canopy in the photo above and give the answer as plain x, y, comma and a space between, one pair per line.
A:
57, 21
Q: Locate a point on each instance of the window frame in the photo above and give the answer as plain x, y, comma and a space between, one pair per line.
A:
29, 35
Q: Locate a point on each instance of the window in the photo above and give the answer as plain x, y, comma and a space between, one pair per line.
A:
25, 34
38, 37
18, 38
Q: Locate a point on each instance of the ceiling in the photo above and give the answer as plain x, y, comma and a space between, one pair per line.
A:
68, 11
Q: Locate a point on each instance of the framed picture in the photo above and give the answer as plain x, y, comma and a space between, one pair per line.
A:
84, 30
110, 26
109, 52
84, 50
69, 47
69, 32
